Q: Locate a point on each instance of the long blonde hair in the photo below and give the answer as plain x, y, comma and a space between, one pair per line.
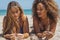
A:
9, 18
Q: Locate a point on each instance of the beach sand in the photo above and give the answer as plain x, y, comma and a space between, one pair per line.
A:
56, 36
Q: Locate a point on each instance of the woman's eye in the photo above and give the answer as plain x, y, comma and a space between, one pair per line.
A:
13, 12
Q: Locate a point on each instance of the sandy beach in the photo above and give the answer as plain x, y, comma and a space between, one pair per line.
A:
57, 32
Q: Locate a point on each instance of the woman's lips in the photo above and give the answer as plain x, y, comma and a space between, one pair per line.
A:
40, 15
15, 17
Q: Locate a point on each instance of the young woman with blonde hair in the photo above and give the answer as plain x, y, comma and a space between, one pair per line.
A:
15, 22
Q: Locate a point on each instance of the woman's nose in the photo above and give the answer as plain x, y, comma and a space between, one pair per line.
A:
15, 14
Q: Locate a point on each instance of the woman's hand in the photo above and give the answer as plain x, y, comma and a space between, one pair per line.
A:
48, 34
12, 35
39, 34
9, 35
26, 35
19, 35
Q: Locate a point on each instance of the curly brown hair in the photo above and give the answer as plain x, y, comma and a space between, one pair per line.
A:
50, 6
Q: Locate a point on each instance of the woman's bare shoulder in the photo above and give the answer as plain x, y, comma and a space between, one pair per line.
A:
24, 17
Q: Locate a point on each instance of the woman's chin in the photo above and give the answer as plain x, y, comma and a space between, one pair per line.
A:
40, 16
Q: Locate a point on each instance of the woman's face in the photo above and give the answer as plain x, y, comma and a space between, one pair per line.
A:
41, 11
15, 12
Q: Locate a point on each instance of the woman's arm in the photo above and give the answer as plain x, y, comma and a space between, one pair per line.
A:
51, 32
36, 25
53, 26
26, 27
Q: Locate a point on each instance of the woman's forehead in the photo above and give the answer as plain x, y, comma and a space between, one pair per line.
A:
14, 8
40, 5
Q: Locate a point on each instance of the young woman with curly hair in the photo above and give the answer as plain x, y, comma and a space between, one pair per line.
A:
45, 14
